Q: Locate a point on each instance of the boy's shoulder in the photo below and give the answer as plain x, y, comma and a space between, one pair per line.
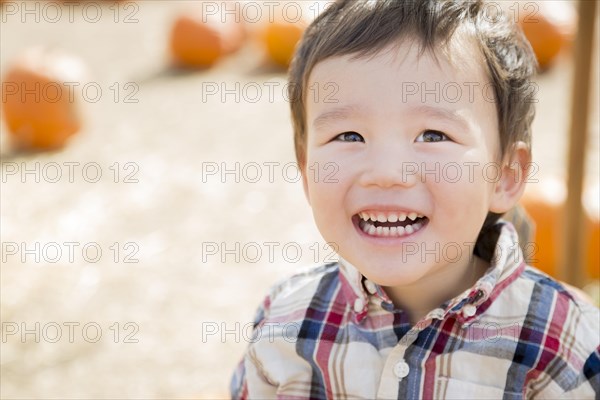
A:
526, 288
295, 292
542, 297
290, 299
548, 286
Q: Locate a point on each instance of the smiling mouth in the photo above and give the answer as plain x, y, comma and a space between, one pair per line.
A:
390, 224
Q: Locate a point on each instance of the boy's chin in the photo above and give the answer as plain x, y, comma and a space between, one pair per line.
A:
394, 275
395, 282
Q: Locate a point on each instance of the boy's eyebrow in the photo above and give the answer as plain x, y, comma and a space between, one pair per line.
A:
340, 113
440, 112
337, 113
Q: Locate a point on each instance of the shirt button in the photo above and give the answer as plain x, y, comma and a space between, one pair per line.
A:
401, 369
358, 305
370, 287
469, 310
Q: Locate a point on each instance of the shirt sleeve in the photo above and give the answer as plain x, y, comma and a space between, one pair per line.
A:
576, 373
248, 380
587, 384
588, 381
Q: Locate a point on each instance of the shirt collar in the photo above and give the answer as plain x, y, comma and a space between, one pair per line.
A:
353, 290
505, 266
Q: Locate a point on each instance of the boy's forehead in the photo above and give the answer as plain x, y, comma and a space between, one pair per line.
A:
450, 84
456, 75
460, 61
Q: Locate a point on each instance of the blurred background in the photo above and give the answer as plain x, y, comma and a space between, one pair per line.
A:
149, 195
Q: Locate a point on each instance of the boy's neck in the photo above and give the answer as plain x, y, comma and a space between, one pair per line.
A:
419, 298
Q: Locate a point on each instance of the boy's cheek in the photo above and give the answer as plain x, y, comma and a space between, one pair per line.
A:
318, 183
476, 173
306, 182
305, 188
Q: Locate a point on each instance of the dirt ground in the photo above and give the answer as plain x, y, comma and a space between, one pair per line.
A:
187, 247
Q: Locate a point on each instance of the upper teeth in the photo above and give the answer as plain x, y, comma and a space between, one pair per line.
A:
389, 217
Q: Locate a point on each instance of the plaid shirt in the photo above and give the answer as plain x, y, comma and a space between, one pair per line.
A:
328, 332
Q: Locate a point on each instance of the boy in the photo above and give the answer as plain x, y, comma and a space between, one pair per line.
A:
429, 130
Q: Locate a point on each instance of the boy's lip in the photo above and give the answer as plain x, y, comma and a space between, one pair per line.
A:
388, 236
390, 223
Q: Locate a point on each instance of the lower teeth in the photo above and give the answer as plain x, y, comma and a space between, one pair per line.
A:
394, 231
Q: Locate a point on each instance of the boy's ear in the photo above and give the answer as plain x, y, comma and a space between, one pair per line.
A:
511, 184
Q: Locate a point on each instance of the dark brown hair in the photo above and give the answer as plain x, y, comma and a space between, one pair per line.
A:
362, 28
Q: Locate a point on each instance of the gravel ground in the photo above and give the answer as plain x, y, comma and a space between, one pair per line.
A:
157, 314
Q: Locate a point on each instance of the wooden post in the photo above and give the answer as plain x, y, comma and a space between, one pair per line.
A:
573, 268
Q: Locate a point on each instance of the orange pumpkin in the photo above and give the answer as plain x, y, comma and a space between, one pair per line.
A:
41, 112
546, 213
593, 246
199, 42
280, 39
545, 204
549, 26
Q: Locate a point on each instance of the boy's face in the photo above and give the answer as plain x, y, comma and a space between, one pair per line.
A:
405, 138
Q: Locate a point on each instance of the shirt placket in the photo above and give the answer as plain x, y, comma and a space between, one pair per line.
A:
396, 366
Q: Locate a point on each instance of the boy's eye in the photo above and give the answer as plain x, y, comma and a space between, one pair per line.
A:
349, 137
432, 136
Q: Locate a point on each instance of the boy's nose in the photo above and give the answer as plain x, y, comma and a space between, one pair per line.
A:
390, 167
